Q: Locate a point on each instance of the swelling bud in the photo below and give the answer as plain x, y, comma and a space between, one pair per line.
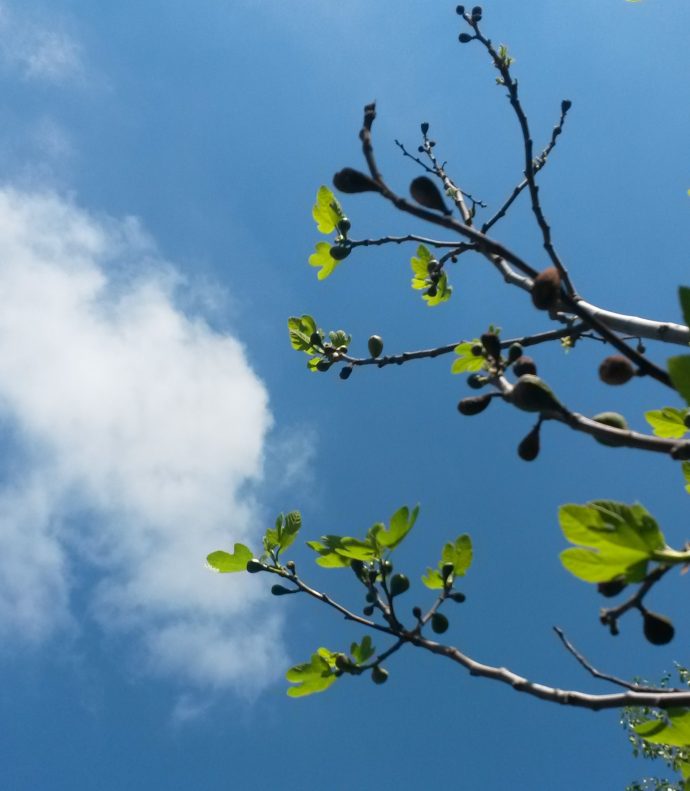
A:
375, 344
473, 405
528, 449
531, 394
657, 629
349, 180
427, 194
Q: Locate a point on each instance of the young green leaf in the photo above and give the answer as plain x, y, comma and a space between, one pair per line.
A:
675, 732
363, 651
301, 329
459, 554
323, 258
667, 422
401, 523
442, 294
679, 369
614, 540
225, 562
327, 211
686, 475
684, 297
467, 361
314, 676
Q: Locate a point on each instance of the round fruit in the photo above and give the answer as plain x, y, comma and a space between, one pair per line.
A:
546, 289
340, 252
399, 584
616, 370
473, 405
614, 420
379, 675
611, 588
524, 365
439, 623
658, 629
528, 449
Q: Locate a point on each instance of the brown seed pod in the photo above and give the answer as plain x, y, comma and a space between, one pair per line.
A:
349, 180
616, 370
546, 289
524, 365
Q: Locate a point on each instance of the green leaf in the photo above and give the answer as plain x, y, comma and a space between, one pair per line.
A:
314, 676
443, 292
327, 212
467, 361
684, 296
433, 579
301, 328
285, 531
459, 553
420, 268
224, 562
323, 258
401, 523
667, 422
675, 732
328, 558
614, 539
679, 369
365, 650
344, 549
339, 338
686, 474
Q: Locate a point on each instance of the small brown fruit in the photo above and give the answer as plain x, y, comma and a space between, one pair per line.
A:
657, 629
349, 180
528, 449
427, 194
531, 394
473, 405
611, 588
546, 289
491, 344
616, 370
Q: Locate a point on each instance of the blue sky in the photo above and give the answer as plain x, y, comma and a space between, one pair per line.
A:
158, 164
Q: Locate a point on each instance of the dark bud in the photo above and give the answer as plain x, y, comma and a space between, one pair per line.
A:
342, 662
431, 291
420, 149
349, 180
417, 612
386, 567
368, 610
280, 590
371, 597
460, 10
465, 38
357, 566
657, 629
291, 566
476, 13
476, 381
427, 194
566, 104
546, 289
492, 344
316, 340
323, 366
524, 365
611, 588
439, 623
344, 226
686, 420
614, 420
345, 372
379, 675
399, 584
616, 370
446, 570
254, 566
514, 353
375, 344
458, 597
425, 128
528, 449
340, 252
473, 405
477, 350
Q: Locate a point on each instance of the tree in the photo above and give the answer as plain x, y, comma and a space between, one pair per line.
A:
618, 547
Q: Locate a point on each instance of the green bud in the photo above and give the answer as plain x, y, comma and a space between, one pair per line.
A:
611, 588
375, 344
614, 420
528, 449
399, 584
344, 225
514, 353
439, 623
379, 675
456, 596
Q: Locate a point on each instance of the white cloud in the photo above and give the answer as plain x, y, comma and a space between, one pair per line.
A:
39, 46
132, 432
